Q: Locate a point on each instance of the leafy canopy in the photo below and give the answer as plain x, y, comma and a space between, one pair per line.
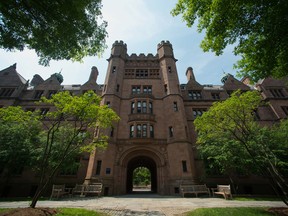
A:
19, 134
258, 29
55, 29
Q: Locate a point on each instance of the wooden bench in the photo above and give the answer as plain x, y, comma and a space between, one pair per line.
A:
59, 191
223, 190
194, 189
83, 190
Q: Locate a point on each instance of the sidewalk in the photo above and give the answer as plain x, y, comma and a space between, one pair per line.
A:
144, 205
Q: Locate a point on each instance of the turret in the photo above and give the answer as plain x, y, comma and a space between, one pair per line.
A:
94, 74
190, 74
119, 49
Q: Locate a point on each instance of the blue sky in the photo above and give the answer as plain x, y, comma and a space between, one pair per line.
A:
141, 24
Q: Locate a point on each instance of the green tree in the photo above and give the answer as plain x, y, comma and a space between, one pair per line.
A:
141, 176
259, 30
19, 131
233, 141
69, 129
55, 29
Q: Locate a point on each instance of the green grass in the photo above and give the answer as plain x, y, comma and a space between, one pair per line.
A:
241, 211
77, 212
71, 212
257, 198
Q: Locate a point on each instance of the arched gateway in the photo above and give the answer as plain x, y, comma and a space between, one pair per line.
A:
139, 157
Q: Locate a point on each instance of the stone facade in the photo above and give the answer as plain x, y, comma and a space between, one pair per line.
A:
157, 112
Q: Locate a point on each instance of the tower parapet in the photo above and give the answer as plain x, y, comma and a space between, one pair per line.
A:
165, 49
119, 49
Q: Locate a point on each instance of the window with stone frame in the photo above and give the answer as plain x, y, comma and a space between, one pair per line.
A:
98, 167
151, 131
175, 106
6, 92
150, 107
38, 94
44, 111
277, 93
132, 107
147, 89
141, 107
141, 73
216, 95
131, 131
198, 111
138, 130
136, 89
171, 131
194, 95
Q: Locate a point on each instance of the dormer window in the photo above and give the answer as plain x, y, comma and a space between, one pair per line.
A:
6, 92
38, 94
194, 95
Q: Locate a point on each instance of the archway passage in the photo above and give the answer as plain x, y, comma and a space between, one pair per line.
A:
141, 161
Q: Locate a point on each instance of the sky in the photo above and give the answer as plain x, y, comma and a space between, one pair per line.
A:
141, 24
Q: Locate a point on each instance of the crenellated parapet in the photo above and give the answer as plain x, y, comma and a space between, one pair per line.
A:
119, 43
164, 43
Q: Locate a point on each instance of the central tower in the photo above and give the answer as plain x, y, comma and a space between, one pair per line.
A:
145, 92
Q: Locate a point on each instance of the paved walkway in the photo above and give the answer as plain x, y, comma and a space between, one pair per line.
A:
144, 205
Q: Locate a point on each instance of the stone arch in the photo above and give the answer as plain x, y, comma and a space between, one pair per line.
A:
142, 156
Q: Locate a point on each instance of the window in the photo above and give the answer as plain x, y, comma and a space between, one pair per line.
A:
112, 132
169, 69
132, 107
142, 73
131, 131
6, 92
139, 130
98, 167
136, 89
108, 171
151, 131
171, 131
139, 104
285, 109
147, 89
117, 88
38, 94
144, 107
175, 106
113, 69
150, 107
50, 93
108, 104
215, 96
44, 111
198, 112
277, 93
184, 166
165, 89
144, 130
194, 95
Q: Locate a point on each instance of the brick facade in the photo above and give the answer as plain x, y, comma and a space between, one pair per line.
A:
156, 128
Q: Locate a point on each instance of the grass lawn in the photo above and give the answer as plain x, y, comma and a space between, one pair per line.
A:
70, 212
230, 211
78, 212
257, 198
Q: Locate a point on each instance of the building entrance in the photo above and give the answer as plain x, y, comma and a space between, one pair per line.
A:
141, 162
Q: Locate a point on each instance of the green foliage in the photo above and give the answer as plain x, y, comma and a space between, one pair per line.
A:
77, 211
56, 29
233, 142
258, 29
19, 131
236, 211
141, 176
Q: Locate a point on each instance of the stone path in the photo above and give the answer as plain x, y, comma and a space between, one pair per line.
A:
144, 204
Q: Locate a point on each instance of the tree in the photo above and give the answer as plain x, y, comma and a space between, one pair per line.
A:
19, 131
259, 30
141, 176
69, 129
233, 140
56, 29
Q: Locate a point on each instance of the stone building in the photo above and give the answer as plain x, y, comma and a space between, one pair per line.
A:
156, 129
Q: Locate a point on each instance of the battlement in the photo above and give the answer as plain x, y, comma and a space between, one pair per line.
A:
164, 43
119, 43
142, 56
